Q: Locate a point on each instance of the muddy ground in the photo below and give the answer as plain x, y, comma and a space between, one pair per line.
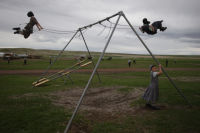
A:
99, 104
101, 100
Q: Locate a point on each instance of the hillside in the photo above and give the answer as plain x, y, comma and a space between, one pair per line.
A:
47, 53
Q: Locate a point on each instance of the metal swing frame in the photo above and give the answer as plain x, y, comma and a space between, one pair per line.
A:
42, 77
119, 14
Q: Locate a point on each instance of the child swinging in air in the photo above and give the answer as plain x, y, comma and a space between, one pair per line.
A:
28, 29
151, 29
152, 92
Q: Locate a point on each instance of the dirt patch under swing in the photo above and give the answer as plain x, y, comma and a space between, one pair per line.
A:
101, 99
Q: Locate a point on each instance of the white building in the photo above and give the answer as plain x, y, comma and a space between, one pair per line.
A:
1, 54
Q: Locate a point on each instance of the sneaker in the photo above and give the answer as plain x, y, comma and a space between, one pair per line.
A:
152, 107
155, 108
16, 32
17, 28
148, 105
163, 28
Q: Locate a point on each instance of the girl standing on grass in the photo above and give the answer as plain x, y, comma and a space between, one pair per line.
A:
152, 92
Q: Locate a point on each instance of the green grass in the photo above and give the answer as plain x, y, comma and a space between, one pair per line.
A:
24, 109
67, 59
20, 113
31, 115
168, 121
35, 113
114, 63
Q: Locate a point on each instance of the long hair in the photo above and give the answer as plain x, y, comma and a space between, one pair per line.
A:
30, 14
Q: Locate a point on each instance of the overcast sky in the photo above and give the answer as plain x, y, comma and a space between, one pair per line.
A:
182, 18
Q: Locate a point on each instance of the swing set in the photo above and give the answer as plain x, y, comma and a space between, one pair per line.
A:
80, 30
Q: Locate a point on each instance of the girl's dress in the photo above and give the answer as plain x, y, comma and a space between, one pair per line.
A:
152, 92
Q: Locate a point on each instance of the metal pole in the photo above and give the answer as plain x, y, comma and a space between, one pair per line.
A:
58, 55
90, 79
89, 53
171, 81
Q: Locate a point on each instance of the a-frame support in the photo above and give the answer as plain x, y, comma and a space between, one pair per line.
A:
91, 77
56, 58
89, 52
101, 56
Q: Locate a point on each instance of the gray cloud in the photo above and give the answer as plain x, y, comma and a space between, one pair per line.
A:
181, 17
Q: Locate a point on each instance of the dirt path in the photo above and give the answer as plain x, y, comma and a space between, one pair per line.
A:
113, 70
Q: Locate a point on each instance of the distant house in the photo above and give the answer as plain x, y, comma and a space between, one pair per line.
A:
1, 54
12, 56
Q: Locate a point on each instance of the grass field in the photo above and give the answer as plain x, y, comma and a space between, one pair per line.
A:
24, 109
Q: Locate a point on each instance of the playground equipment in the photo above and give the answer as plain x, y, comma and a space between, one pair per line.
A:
118, 15
62, 73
